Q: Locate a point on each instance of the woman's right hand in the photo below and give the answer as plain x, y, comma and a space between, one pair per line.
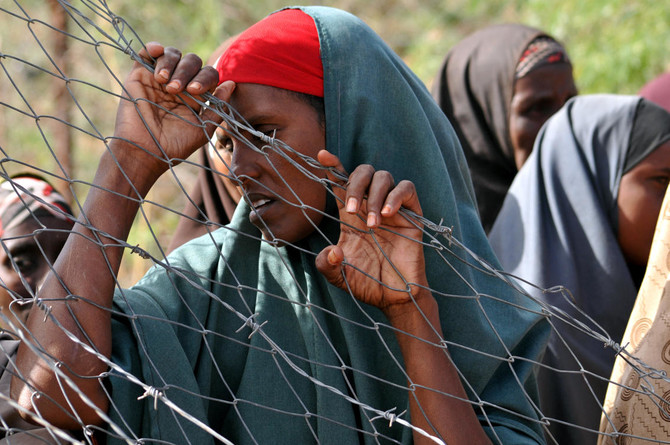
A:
159, 122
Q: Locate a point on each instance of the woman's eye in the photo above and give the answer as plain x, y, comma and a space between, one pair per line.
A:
225, 144
262, 143
24, 264
540, 108
662, 180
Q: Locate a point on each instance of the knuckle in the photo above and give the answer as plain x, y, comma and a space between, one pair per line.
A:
211, 74
365, 170
171, 51
406, 184
385, 176
193, 58
210, 71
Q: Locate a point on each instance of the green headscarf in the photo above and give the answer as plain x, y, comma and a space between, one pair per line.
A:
323, 366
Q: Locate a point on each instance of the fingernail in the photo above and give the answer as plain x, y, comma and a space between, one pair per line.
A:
332, 259
175, 84
386, 210
195, 85
164, 74
372, 220
352, 205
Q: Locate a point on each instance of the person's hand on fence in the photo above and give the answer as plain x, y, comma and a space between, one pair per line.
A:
380, 247
156, 122
156, 116
384, 266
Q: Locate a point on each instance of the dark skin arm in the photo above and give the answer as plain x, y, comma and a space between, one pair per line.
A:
374, 197
89, 270
86, 268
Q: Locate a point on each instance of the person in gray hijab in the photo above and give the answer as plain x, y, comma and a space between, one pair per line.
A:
581, 214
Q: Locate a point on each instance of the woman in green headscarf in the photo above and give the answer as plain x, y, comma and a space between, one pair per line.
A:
252, 330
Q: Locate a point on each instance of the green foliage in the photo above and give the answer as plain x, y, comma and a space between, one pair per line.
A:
616, 45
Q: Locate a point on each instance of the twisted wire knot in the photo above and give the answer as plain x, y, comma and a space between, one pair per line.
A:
251, 323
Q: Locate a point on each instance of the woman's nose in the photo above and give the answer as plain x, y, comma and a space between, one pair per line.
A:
245, 163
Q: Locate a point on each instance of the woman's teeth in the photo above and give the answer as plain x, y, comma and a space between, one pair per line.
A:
260, 202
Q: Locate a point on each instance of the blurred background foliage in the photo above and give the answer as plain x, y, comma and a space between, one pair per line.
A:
615, 45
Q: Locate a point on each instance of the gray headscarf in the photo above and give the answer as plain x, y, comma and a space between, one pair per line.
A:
558, 226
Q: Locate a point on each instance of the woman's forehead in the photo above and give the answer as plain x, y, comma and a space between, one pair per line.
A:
257, 103
251, 98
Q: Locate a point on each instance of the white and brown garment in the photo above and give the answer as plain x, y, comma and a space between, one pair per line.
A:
637, 405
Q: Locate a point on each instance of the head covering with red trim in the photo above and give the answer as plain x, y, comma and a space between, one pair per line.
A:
26, 196
542, 51
281, 51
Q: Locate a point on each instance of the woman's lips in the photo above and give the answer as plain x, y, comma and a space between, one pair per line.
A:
259, 205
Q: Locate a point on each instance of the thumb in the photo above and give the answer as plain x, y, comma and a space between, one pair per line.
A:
329, 263
328, 159
222, 92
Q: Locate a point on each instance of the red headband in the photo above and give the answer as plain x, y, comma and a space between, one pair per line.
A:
282, 51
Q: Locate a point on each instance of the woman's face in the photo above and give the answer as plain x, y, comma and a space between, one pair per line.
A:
273, 186
640, 198
31, 255
537, 96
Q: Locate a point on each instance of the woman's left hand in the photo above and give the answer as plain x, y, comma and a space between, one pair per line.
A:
381, 248
379, 245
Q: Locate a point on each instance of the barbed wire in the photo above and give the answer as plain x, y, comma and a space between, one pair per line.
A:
99, 30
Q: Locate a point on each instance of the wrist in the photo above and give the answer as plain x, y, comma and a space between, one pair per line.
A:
127, 170
421, 309
417, 325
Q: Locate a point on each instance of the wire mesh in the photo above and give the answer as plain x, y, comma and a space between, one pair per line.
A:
105, 43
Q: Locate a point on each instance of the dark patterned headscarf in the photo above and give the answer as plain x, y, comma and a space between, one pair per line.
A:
542, 51
474, 88
29, 196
